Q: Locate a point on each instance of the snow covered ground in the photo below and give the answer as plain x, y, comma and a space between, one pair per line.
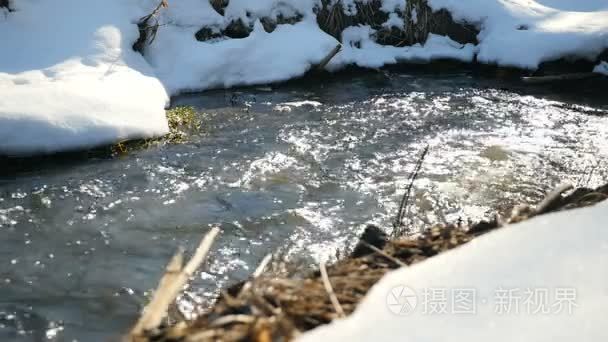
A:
541, 280
190, 65
360, 49
524, 33
185, 64
69, 78
521, 33
601, 68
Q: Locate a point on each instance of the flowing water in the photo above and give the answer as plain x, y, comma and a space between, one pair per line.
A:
299, 168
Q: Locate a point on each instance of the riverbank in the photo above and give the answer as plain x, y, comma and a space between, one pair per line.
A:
110, 79
273, 307
299, 169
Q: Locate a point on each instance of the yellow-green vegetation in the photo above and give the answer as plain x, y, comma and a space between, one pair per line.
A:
183, 121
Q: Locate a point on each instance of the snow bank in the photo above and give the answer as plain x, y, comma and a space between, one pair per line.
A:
185, 64
524, 33
521, 33
540, 280
70, 79
360, 49
238, 9
601, 68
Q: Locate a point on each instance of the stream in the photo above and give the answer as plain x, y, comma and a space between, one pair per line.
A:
298, 169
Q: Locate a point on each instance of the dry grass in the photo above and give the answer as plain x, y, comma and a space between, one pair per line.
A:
419, 21
148, 26
333, 19
169, 288
270, 308
219, 5
276, 308
184, 121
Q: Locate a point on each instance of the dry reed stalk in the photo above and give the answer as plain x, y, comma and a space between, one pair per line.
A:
384, 254
552, 197
147, 31
171, 284
258, 271
398, 223
330, 290
323, 63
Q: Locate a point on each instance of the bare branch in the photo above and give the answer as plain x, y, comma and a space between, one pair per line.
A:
330, 290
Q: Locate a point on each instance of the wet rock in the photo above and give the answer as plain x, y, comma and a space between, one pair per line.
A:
373, 236
443, 24
271, 24
237, 29
207, 33
219, 5
418, 21
332, 18
484, 226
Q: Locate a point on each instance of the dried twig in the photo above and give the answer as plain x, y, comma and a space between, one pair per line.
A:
398, 223
147, 31
204, 335
384, 254
201, 252
156, 309
330, 290
262, 266
323, 63
552, 198
230, 319
258, 271
171, 284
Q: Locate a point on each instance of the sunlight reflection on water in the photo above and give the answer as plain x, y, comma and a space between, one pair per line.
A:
292, 168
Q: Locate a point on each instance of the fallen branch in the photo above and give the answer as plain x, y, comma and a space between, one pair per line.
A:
384, 254
552, 198
230, 319
323, 63
171, 284
330, 290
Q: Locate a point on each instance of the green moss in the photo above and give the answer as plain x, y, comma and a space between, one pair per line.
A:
183, 122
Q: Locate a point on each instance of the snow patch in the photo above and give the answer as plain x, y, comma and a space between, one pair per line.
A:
184, 64
564, 252
72, 80
524, 33
360, 49
394, 20
601, 68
